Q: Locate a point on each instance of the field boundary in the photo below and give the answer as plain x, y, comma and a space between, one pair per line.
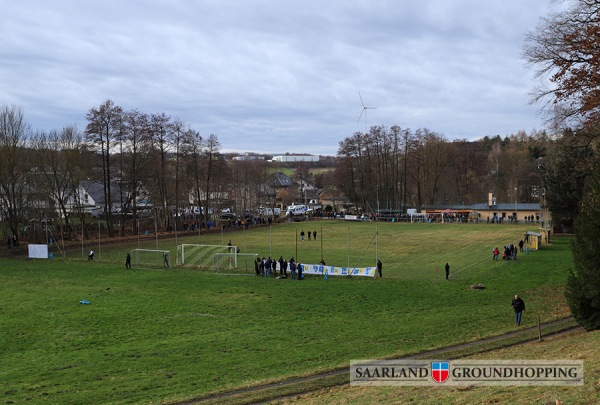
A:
303, 385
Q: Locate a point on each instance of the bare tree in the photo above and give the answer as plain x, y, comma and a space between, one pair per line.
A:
469, 186
194, 144
211, 154
346, 171
565, 49
160, 132
135, 127
14, 166
437, 155
79, 161
53, 164
103, 128
177, 141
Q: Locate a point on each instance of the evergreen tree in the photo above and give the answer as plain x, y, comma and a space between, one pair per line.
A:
583, 282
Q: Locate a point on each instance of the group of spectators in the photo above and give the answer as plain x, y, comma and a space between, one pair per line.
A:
227, 223
513, 219
267, 267
510, 251
313, 234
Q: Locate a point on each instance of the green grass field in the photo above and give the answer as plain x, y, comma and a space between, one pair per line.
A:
171, 335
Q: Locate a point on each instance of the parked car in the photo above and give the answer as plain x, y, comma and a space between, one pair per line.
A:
230, 216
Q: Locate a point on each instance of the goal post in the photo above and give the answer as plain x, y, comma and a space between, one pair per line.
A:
153, 258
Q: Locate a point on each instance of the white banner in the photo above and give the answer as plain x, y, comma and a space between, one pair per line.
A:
320, 270
38, 251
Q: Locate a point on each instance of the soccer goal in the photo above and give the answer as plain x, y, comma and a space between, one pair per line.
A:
150, 258
202, 256
222, 263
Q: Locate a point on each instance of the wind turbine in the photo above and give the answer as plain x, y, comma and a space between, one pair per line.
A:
364, 111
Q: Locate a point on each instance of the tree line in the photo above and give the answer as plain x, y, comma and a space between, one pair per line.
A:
133, 155
398, 168
137, 156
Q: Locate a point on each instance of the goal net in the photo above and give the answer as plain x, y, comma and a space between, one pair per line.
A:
223, 262
150, 258
203, 256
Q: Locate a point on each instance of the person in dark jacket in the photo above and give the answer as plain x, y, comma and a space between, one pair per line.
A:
447, 267
293, 268
519, 307
257, 266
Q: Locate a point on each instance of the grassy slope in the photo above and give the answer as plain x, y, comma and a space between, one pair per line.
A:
573, 346
156, 335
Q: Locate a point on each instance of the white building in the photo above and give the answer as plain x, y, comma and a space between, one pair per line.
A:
295, 158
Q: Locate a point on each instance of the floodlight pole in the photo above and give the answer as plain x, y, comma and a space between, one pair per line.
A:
270, 240
378, 210
176, 241
516, 204
348, 245
99, 258
156, 228
321, 242
376, 244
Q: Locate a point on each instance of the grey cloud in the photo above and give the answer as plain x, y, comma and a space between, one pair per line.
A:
275, 76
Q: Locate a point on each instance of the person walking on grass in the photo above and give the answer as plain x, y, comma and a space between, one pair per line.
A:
519, 306
128, 261
380, 268
447, 267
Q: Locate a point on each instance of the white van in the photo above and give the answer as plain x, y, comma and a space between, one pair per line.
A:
295, 210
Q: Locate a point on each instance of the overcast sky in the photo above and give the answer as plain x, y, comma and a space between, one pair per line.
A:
275, 76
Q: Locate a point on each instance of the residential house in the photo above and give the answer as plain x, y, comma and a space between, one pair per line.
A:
275, 192
90, 199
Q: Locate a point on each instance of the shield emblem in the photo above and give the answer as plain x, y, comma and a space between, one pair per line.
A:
440, 371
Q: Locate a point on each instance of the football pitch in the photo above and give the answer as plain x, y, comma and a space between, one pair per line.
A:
168, 335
